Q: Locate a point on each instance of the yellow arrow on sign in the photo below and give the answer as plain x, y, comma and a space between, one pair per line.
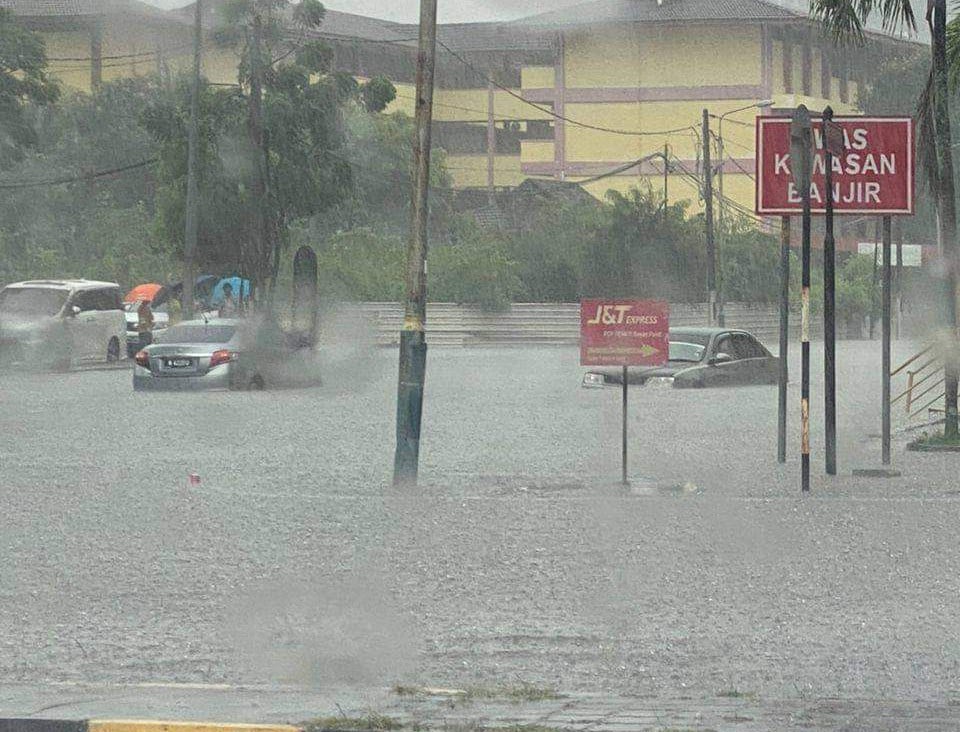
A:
647, 350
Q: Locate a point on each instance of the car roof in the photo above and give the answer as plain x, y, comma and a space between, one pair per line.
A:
65, 284
704, 331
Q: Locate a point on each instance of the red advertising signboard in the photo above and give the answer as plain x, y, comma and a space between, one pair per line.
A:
624, 332
874, 175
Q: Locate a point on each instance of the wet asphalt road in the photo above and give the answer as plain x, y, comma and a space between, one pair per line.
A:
519, 558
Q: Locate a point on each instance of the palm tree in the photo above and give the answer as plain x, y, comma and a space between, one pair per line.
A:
844, 20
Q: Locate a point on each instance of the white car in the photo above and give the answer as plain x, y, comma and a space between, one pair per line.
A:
61, 323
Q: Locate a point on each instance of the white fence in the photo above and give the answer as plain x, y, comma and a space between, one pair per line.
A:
449, 324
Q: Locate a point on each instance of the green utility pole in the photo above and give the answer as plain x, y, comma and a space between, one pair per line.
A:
413, 342
193, 193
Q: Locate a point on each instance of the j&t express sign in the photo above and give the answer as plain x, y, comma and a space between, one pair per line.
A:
624, 332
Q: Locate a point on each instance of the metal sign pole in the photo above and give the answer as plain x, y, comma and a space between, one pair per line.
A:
784, 338
623, 478
833, 146
887, 281
800, 154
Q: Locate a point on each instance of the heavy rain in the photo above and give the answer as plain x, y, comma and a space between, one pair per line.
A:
452, 365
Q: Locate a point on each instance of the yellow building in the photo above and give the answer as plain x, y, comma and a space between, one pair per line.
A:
577, 94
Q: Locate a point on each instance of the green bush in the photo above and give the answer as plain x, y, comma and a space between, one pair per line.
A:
362, 265
477, 271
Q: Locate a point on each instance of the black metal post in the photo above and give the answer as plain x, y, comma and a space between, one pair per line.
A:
623, 474
784, 338
887, 287
829, 305
805, 347
800, 155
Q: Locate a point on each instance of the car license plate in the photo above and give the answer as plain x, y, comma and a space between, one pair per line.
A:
178, 363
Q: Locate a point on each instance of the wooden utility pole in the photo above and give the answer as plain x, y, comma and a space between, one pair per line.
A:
413, 342
193, 192
708, 217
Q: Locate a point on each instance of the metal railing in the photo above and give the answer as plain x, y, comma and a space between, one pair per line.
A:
924, 369
449, 324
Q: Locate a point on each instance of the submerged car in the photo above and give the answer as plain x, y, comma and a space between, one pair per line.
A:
56, 324
222, 353
700, 357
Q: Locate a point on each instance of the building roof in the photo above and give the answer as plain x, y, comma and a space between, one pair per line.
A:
64, 9
335, 24
348, 25
653, 11
594, 12
516, 208
511, 36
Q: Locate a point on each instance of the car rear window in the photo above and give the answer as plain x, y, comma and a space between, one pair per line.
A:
32, 300
198, 334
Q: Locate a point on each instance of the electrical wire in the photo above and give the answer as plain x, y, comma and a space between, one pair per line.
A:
484, 112
743, 170
551, 112
78, 179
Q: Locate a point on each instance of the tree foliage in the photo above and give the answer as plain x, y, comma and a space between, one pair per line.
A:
23, 81
100, 227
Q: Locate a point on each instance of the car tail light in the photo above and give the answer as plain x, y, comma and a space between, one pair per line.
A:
143, 359
220, 357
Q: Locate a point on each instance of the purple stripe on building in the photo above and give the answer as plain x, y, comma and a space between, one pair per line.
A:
732, 166
601, 95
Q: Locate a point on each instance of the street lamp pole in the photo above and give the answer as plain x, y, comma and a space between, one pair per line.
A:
721, 152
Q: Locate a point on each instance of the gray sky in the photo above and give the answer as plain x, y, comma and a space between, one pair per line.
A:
451, 11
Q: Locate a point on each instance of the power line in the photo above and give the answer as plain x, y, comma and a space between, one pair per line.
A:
551, 112
743, 170
79, 178
485, 113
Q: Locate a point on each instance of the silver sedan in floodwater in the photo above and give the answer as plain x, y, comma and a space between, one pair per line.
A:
219, 353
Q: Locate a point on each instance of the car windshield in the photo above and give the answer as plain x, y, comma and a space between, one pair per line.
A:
199, 333
680, 351
32, 301
688, 346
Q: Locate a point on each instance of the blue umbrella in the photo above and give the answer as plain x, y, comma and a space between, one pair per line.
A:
235, 282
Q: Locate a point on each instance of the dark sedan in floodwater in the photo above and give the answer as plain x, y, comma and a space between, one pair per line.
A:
700, 357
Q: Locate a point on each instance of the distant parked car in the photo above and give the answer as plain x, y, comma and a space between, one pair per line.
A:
60, 323
700, 357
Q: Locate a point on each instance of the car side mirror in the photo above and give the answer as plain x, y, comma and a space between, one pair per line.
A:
721, 358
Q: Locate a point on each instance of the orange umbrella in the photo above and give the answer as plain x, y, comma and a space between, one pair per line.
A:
143, 292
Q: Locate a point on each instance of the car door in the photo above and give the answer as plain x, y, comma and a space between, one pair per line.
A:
112, 323
765, 366
82, 325
751, 359
721, 372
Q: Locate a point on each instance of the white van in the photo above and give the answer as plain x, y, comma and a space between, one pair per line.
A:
61, 323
